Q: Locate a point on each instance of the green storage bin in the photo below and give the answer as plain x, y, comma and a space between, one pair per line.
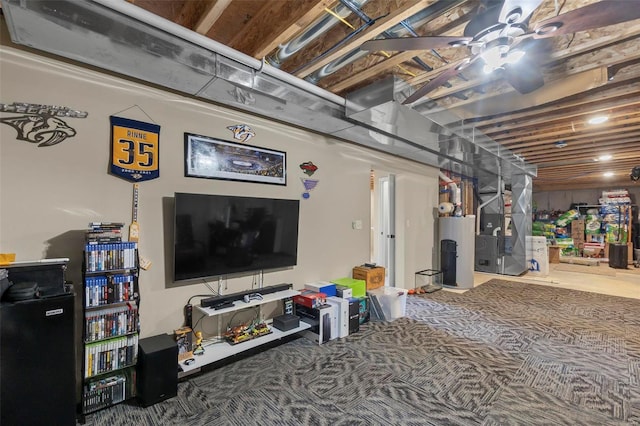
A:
358, 287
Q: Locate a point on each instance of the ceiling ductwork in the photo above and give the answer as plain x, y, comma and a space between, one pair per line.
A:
123, 38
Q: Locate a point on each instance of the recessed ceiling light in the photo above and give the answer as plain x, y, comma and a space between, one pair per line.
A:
608, 174
605, 157
560, 144
598, 119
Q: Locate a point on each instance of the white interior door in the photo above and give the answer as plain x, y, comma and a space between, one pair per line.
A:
386, 238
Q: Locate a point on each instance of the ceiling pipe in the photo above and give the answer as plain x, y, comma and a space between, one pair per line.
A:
313, 31
490, 200
172, 28
398, 30
455, 193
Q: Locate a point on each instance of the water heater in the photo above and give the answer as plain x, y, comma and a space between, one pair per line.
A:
460, 230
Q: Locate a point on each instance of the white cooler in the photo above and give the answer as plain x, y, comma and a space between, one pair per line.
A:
537, 255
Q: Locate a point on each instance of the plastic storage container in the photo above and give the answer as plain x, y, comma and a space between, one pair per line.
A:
393, 301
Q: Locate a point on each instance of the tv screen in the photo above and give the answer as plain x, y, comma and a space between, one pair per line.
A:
220, 235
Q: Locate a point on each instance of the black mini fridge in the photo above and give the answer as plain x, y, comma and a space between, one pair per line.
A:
618, 255
37, 362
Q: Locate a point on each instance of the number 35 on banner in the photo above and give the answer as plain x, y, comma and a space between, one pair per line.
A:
135, 149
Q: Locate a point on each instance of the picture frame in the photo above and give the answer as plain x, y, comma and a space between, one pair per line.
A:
211, 158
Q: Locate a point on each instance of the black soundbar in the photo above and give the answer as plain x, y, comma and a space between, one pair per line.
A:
227, 299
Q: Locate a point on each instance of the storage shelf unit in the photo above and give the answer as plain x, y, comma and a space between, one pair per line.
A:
218, 351
111, 325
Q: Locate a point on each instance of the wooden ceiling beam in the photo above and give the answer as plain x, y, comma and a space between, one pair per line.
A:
210, 16
555, 128
571, 66
395, 17
532, 153
568, 135
284, 28
452, 23
540, 186
587, 168
622, 102
587, 156
616, 91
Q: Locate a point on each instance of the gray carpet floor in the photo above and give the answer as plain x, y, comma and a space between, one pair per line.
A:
504, 353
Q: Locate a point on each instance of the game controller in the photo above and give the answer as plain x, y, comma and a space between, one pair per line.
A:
249, 297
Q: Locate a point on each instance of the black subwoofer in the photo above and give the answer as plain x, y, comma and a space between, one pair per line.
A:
157, 369
618, 255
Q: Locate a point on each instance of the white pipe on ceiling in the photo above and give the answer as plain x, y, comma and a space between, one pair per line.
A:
172, 28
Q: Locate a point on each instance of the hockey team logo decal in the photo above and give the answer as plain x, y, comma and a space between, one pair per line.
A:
41, 124
242, 132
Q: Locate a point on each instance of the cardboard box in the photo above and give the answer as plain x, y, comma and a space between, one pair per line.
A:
344, 292
310, 299
320, 319
342, 310
372, 276
554, 254
322, 287
358, 287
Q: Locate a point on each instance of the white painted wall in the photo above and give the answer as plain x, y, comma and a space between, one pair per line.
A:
49, 194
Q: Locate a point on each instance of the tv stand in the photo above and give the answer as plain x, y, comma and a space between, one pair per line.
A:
219, 351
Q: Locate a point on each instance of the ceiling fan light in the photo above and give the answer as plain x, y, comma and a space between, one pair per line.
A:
548, 28
598, 119
459, 43
493, 56
514, 56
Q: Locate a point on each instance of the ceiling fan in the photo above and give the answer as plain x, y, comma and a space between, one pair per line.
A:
500, 38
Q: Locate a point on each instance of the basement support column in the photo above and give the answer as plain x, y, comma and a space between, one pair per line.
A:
521, 193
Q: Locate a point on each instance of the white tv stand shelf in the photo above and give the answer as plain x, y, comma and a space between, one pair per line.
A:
239, 304
218, 351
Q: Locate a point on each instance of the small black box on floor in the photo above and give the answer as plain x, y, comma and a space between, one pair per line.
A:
157, 369
286, 322
618, 255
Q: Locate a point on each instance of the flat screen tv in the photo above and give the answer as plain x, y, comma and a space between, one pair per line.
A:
217, 235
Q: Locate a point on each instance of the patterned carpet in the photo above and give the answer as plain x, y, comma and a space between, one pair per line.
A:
504, 353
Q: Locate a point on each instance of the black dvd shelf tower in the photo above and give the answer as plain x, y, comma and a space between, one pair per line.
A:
111, 325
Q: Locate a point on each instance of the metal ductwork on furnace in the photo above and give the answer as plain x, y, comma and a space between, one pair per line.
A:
123, 38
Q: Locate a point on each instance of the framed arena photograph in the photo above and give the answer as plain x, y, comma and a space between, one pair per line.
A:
212, 158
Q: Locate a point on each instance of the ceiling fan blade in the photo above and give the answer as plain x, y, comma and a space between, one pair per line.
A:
595, 15
525, 77
414, 43
442, 78
517, 11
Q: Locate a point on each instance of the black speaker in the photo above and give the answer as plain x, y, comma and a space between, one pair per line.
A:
618, 255
157, 369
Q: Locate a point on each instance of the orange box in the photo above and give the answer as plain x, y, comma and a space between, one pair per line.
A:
554, 254
372, 276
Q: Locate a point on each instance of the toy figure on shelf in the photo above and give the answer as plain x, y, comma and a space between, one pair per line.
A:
199, 350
